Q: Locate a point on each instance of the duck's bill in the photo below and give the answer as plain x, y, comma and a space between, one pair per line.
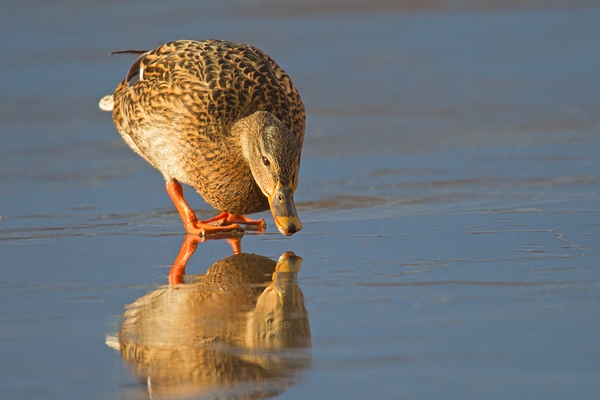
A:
284, 210
286, 272
288, 262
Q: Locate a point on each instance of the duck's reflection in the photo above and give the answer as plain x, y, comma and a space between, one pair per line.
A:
240, 330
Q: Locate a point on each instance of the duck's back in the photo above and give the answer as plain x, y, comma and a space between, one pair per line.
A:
177, 106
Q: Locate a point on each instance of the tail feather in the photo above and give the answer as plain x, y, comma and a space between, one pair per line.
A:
107, 103
129, 52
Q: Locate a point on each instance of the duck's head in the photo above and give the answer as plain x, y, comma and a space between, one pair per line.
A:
279, 318
273, 153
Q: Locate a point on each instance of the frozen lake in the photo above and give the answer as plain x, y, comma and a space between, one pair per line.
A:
449, 193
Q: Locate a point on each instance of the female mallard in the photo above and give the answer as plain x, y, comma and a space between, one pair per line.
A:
222, 117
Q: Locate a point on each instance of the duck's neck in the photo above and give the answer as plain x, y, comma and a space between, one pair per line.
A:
244, 129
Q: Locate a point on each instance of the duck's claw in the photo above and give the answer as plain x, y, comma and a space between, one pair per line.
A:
203, 229
226, 219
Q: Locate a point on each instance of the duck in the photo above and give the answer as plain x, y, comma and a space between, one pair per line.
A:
221, 117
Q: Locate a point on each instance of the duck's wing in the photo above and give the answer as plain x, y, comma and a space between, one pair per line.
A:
215, 82
178, 103
160, 109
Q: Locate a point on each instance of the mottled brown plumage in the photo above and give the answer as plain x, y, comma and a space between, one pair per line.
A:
224, 118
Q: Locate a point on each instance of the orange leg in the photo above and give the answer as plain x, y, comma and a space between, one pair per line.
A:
236, 245
190, 243
191, 223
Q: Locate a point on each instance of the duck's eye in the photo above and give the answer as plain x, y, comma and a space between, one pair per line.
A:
266, 161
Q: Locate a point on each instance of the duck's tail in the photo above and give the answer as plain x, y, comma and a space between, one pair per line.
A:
107, 103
